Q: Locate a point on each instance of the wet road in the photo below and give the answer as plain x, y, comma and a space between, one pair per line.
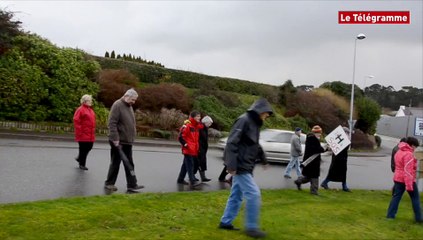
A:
36, 170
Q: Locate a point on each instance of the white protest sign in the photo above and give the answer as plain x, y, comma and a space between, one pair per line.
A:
337, 140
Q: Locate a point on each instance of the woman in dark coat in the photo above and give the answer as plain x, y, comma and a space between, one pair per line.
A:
204, 145
338, 168
311, 172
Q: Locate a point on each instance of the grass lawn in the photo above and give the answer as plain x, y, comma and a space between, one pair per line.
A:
286, 214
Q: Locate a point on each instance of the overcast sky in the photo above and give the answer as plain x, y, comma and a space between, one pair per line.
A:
261, 41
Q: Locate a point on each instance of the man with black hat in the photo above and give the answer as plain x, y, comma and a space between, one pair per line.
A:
296, 152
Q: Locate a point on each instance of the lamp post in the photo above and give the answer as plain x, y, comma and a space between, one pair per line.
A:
360, 36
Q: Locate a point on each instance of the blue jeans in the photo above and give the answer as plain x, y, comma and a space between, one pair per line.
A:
243, 185
187, 167
293, 163
399, 189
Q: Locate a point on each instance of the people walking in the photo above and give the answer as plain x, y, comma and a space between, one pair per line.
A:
189, 139
338, 168
204, 145
122, 132
296, 152
84, 125
311, 172
405, 178
241, 153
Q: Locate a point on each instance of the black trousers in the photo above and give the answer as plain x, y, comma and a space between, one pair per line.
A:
84, 149
223, 174
115, 160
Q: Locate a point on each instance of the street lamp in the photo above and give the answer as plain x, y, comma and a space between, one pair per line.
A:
360, 36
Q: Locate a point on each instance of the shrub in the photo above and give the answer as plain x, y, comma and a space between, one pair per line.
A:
113, 84
223, 116
316, 110
298, 121
164, 95
42, 82
360, 140
166, 119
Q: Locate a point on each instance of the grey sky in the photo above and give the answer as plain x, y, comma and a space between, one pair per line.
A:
261, 41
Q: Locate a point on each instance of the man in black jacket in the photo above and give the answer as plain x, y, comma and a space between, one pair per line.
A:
241, 152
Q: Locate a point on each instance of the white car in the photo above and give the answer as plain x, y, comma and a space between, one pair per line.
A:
275, 143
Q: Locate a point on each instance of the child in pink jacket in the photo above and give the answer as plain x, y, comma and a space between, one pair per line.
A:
405, 178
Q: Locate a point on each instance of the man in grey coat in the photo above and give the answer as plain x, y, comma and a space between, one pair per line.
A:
296, 152
122, 133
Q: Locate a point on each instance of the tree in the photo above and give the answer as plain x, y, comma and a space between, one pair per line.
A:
41, 82
106, 54
343, 89
368, 114
286, 91
8, 30
112, 55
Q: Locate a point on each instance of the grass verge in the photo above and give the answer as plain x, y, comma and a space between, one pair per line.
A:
285, 214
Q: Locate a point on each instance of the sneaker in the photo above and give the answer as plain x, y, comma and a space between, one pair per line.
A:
111, 187
325, 186
183, 182
228, 227
298, 184
135, 188
83, 167
346, 190
255, 233
287, 176
205, 179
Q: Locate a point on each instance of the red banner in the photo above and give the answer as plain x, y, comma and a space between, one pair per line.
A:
374, 17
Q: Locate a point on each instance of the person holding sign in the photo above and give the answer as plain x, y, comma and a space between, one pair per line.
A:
338, 166
311, 170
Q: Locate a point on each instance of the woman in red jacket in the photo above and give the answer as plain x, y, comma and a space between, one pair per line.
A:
84, 124
405, 178
189, 139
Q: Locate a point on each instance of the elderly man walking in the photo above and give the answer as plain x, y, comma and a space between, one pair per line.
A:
122, 134
296, 152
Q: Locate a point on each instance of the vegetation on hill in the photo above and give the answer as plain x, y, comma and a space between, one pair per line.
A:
41, 82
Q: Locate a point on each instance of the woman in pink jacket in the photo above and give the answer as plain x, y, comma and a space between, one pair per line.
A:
84, 124
405, 178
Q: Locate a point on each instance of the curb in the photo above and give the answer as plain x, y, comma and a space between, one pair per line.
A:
100, 139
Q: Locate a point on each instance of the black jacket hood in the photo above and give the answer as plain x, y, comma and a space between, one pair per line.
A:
261, 106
